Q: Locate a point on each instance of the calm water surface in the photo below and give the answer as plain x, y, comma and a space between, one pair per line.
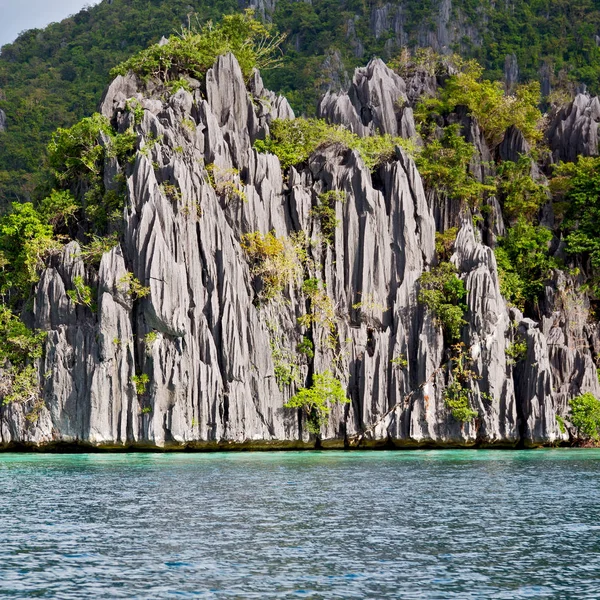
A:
428, 524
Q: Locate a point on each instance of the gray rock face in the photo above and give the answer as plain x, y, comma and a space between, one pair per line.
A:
2, 121
574, 129
195, 363
511, 73
264, 9
389, 18
375, 102
333, 73
513, 146
122, 88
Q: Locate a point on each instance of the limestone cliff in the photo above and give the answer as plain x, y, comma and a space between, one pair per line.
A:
207, 345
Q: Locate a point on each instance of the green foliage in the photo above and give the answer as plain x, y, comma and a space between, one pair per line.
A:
134, 106
140, 382
444, 243
23, 386
93, 252
581, 184
150, 338
82, 293
74, 154
284, 364
131, 285
523, 262
516, 351
25, 241
276, 260
58, 209
19, 349
442, 292
519, 193
376, 150
322, 311
585, 415
171, 192
561, 424
400, 361
316, 400
306, 347
194, 51
444, 166
494, 110
294, 141
325, 212
18, 344
76, 157
226, 183
458, 393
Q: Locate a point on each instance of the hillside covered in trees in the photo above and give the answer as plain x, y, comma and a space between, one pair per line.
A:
53, 77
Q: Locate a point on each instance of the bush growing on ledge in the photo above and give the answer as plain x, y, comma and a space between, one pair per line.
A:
140, 383
520, 194
444, 243
76, 158
486, 101
293, 142
316, 400
326, 213
25, 241
193, 52
523, 262
581, 184
132, 287
19, 348
82, 293
458, 393
277, 261
442, 292
585, 415
444, 166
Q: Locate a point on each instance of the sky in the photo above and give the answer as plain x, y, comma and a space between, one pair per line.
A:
19, 15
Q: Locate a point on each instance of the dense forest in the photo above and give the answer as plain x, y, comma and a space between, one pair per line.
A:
53, 77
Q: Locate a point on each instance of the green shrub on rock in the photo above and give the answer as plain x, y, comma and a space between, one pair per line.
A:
193, 52
458, 393
444, 165
442, 292
487, 101
76, 157
524, 264
276, 260
580, 183
585, 415
520, 194
19, 348
293, 142
25, 241
316, 400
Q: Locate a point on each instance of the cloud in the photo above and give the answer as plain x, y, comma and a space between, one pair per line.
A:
19, 15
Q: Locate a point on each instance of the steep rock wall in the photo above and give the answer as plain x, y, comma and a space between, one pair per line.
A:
206, 343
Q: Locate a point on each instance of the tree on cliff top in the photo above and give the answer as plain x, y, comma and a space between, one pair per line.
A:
194, 50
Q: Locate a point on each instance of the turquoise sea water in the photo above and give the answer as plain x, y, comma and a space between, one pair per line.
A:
343, 525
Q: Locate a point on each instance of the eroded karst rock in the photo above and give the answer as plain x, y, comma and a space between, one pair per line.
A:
195, 362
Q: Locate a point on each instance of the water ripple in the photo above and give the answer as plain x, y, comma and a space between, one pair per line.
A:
332, 525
